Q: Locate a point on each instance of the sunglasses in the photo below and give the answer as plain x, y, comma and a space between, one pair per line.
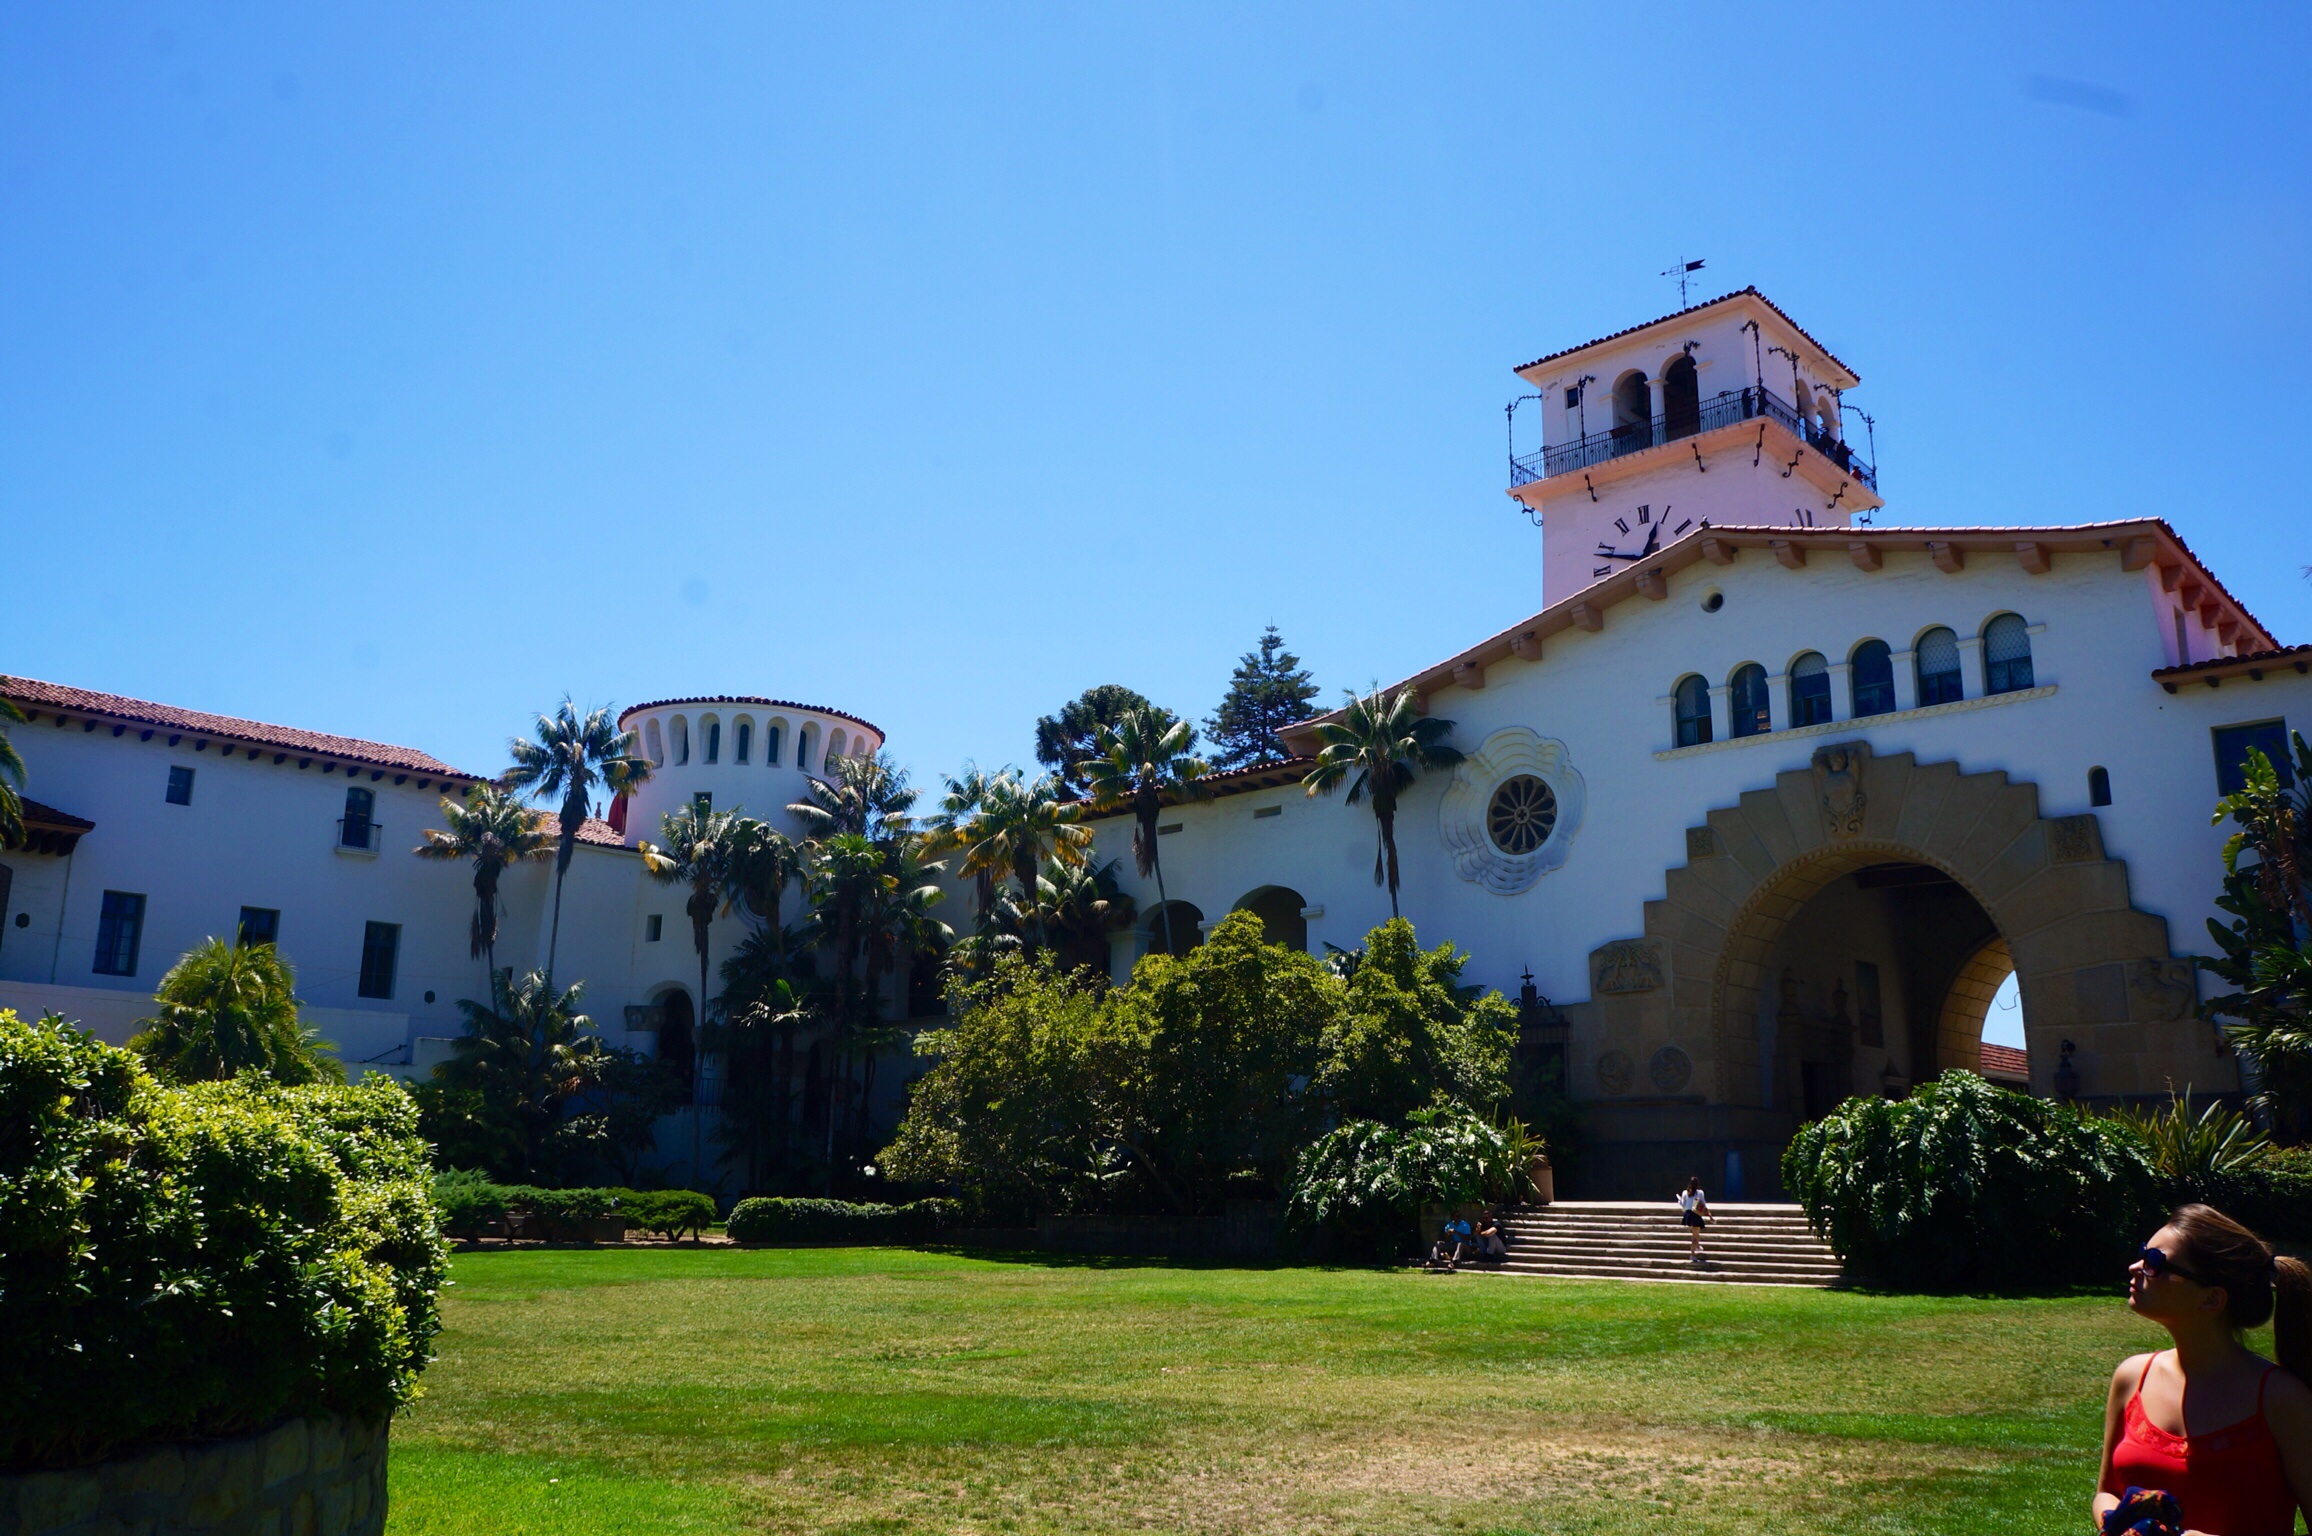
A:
2156, 1263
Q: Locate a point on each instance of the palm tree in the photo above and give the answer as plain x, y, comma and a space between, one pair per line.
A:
1083, 906
1145, 757
527, 1053
1378, 745
226, 1008
866, 795
569, 756
764, 862
495, 830
11, 767
703, 848
965, 797
1017, 828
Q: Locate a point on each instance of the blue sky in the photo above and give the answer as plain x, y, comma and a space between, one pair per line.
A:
394, 370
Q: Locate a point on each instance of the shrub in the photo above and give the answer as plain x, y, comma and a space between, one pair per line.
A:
2273, 1196
199, 1261
224, 1009
1370, 1177
1966, 1185
668, 1212
468, 1201
794, 1223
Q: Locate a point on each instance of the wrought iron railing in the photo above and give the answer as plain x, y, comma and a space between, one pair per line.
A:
1734, 405
359, 832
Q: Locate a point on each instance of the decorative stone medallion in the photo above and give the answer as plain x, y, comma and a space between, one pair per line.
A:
1671, 1069
1510, 814
1626, 965
1615, 1071
2073, 839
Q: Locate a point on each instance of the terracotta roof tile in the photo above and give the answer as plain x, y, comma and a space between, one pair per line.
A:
2295, 657
2005, 1061
63, 700
36, 814
1631, 330
1233, 781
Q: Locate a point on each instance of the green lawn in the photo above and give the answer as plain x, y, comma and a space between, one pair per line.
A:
890, 1390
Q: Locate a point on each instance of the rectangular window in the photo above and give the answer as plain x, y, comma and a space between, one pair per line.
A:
653, 928
2183, 641
380, 949
180, 786
260, 925
2235, 742
119, 930
1268, 810
702, 801
358, 829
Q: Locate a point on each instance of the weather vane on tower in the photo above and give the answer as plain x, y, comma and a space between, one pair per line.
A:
1683, 271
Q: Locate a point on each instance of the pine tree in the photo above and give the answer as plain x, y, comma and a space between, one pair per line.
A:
1268, 691
1072, 736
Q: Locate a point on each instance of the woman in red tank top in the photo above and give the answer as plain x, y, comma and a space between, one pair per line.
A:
2225, 1431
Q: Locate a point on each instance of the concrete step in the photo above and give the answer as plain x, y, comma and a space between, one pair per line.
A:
1630, 1253
1745, 1244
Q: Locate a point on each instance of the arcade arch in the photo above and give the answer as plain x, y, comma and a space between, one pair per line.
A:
1186, 928
1279, 909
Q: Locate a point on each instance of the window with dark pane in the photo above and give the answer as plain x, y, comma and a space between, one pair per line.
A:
1693, 711
1522, 815
2099, 786
119, 933
180, 786
357, 828
770, 746
1810, 690
1938, 666
380, 953
259, 925
2235, 742
1750, 711
2006, 655
713, 741
1873, 679
745, 739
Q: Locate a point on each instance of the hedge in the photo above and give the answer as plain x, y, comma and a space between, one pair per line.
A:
796, 1222
470, 1203
181, 1263
2274, 1198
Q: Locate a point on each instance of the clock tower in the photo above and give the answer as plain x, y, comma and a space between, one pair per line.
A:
1726, 413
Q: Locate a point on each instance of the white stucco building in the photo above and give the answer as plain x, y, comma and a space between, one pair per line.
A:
1769, 796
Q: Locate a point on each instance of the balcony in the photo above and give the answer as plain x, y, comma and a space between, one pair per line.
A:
359, 836
1726, 409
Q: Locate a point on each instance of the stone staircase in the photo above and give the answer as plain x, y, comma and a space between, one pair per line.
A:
1642, 1240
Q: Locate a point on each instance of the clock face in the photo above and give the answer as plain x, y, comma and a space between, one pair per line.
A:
1643, 530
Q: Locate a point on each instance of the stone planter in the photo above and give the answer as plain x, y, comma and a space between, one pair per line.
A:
303, 1477
1544, 1181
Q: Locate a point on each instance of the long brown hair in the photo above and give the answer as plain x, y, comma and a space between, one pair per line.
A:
2257, 1284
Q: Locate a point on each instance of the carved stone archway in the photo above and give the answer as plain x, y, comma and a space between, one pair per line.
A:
2093, 969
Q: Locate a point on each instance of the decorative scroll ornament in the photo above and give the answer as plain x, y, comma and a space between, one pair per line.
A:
1510, 814
1838, 778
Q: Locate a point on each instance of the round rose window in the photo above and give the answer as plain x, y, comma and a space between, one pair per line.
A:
1522, 814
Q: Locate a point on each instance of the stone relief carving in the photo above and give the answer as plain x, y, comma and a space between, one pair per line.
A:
1671, 1069
2167, 987
1615, 1072
1626, 965
1838, 780
1461, 814
1701, 843
2073, 840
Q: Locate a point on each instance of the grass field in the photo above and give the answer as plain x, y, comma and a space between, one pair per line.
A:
859, 1390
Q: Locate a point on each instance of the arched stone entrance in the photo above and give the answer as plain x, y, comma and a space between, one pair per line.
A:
1681, 1064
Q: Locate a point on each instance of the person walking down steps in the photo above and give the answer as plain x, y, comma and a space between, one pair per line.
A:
1694, 1212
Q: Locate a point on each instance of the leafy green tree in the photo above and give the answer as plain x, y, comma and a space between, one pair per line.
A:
1410, 1036
527, 1058
1268, 691
704, 849
225, 1009
1143, 759
761, 1015
1378, 746
1373, 1178
1065, 740
496, 831
11, 779
2267, 946
571, 756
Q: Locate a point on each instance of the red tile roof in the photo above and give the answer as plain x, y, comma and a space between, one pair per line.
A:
2254, 664
1232, 781
2005, 1061
34, 695
1631, 330
596, 831
745, 698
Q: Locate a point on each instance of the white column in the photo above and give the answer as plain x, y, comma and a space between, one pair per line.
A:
1125, 947
1842, 690
1906, 665
1971, 676
1778, 700
1721, 713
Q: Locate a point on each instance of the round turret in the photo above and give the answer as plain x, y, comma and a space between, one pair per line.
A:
745, 753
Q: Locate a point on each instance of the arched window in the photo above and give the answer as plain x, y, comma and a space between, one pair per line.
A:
679, 729
677, 1045
1633, 413
803, 745
1874, 679
746, 734
1938, 664
1693, 711
2099, 786
657, 746
1751, 713
2006, 655
771, 735
1681, 398
835, 746
713, 741
1810, 690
